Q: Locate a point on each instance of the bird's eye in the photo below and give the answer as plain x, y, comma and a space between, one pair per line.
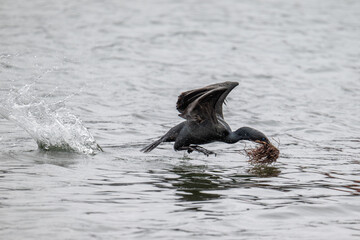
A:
263, 139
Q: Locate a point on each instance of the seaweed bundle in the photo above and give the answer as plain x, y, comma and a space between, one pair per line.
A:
265, 153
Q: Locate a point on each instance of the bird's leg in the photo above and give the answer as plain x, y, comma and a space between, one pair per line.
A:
197, 148
202, 150
188, 148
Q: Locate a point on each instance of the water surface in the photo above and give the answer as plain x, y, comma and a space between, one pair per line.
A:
119, 67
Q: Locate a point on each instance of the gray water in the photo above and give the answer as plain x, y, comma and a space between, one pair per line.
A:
118, 66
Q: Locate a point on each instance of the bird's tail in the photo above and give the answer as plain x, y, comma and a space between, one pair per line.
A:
151, 146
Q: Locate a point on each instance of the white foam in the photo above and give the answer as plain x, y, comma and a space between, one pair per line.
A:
50, 124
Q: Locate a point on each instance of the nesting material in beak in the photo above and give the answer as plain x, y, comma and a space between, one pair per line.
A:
265, 153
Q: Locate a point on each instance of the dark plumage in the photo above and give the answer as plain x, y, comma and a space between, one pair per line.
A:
202, 109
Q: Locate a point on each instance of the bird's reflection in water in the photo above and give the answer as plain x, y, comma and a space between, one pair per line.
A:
196, 183
264, 170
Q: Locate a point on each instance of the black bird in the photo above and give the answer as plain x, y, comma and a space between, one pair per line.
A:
202, 109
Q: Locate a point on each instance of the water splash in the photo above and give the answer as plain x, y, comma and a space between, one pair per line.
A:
50, 124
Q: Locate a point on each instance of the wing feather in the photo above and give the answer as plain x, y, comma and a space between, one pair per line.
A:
204, 103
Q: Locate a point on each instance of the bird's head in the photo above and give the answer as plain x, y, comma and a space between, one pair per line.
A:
251, 134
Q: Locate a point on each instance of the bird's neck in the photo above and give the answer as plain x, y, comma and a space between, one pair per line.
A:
234, 137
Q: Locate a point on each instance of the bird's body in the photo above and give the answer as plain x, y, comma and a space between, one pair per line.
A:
202, 109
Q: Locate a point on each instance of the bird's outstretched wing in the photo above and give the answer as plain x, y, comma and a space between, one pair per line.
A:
204, 103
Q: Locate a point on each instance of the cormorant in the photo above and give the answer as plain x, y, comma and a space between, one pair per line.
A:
202, 109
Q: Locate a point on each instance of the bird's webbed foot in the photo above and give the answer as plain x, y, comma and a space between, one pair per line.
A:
197, 148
